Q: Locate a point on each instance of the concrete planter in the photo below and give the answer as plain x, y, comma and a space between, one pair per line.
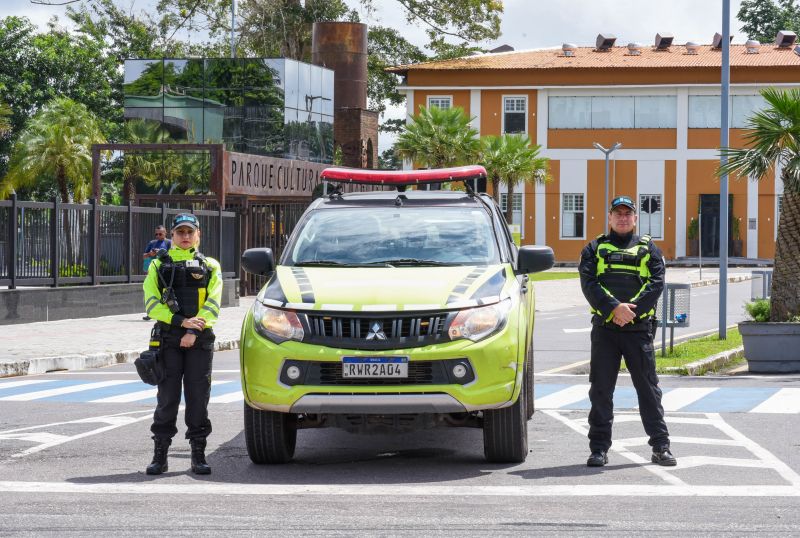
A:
771, 347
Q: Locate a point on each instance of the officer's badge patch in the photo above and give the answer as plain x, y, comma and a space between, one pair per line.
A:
196, 276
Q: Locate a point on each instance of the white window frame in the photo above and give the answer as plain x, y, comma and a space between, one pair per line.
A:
449, 99
503, 112
518, 200
639, 220
562, 213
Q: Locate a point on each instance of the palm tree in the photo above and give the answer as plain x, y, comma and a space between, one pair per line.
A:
774, 140
56, 145
509, 159
139, 165
438, 138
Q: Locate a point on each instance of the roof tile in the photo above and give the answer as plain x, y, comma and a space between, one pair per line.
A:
616, 57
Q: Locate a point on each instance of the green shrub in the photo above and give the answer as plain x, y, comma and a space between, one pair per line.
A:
693, 229
758, 310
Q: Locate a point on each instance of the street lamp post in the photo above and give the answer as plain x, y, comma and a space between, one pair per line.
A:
607, 152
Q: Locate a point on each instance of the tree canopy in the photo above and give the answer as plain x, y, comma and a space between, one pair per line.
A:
763, 19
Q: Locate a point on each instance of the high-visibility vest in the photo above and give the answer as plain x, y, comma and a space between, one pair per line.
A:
623, 272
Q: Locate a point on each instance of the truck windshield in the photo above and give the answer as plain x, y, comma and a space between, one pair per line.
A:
395, 237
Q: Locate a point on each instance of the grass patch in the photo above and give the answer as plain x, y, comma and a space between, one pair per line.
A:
553, 275
695, 349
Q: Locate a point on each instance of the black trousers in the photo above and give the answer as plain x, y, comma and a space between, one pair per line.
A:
192, 368
608, 347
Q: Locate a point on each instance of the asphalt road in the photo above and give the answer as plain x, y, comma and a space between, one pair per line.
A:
74, 466
561, 337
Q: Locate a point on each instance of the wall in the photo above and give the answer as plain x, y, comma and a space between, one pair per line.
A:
29, 305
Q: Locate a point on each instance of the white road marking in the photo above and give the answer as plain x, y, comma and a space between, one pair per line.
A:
28, 396
681, 397
400, 491
781, 468
140, 395
231, 397
129, 397
620, 449
784, 401
33, 437
583, 330
50, 440
12, 384
569, 395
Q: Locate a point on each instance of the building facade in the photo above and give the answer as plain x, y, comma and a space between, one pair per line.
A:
662, 105
272, 107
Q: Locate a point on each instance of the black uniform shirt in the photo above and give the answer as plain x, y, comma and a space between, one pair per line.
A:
602, 301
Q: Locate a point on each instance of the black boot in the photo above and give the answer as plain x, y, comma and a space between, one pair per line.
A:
199, 465
159, 464
598, 458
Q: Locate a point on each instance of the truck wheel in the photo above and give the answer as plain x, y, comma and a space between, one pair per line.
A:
529, 398
270, 436
505, 432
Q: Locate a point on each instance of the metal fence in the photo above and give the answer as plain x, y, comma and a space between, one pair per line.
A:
53, 244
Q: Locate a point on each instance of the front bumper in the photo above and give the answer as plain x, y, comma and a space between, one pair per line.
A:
497, 363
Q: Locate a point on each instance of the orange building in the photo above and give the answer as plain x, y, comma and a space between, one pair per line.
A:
662, 105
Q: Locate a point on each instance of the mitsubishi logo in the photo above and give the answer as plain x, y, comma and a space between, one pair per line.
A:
376, 332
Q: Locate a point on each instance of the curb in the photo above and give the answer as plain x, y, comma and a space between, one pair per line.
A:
42, 365
713, 362
715, 281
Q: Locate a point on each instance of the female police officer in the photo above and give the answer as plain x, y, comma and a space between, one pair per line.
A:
182, 291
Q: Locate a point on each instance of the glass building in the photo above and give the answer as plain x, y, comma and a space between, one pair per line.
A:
275, 107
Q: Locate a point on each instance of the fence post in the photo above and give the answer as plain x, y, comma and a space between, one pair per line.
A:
219, 234
54, 265
13, 229
94, 248
129, 252
164, 215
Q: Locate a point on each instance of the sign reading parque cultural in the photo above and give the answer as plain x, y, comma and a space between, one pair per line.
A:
257, 175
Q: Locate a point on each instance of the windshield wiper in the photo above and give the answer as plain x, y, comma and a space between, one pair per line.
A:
318, 262
414, 261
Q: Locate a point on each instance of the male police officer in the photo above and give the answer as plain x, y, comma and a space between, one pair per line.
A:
622, 277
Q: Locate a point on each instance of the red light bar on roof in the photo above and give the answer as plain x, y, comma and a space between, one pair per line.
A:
402, 177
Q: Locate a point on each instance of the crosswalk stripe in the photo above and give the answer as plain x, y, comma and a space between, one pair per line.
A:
24, 382
129, 397
139, 395
231, 397
569, 395
676, 399
28, 396
784, 401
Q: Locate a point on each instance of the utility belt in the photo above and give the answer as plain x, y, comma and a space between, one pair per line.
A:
648, 324
172, 333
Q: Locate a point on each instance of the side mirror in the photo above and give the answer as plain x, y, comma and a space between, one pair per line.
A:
534, 258
258, 261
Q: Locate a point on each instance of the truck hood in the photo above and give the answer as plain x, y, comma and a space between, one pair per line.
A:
385, 288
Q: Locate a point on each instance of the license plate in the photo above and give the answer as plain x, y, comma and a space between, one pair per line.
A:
374, 366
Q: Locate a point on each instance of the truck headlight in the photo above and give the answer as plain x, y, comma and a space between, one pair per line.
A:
478, 323
276, 325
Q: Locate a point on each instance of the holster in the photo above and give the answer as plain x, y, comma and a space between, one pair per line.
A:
149, 365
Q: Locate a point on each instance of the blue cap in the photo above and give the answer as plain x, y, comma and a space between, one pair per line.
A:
185, 219
622, 200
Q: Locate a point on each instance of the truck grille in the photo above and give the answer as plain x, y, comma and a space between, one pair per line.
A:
419, 373
376, 331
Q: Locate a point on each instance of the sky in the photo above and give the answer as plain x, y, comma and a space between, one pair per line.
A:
527, 24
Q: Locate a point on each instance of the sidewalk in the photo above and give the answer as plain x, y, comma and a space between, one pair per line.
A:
73, 344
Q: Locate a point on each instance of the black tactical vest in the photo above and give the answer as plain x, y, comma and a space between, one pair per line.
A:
189, 281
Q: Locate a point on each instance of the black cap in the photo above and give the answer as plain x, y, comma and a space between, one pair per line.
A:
622, 200
185, 219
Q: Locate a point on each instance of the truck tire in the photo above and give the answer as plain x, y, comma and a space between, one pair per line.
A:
505, 432
270, 436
